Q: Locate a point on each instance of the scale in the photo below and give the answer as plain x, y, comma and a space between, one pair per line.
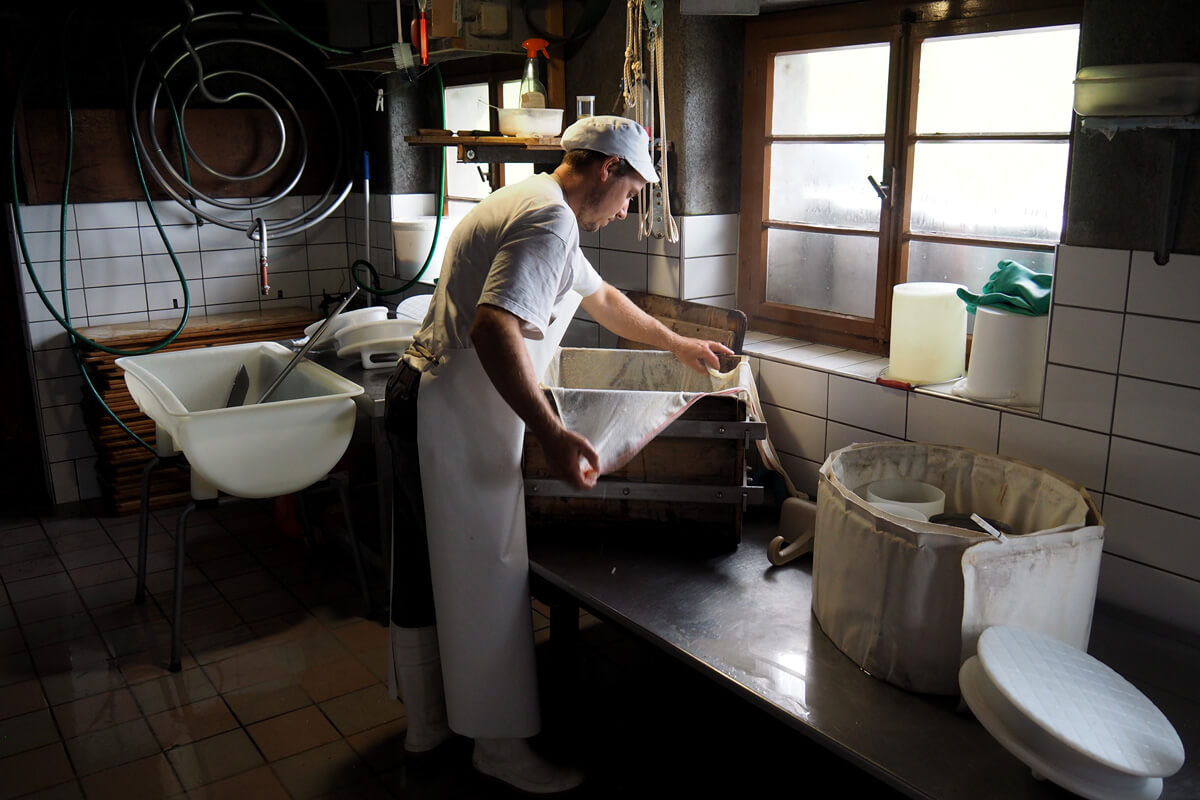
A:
1069, 717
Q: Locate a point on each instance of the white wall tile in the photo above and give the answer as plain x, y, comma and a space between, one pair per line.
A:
1070, 452
623, 270
1155, 475
159, 269
662, 275
589, 238
54, 363
1157, 412
66, 446
109, 242
1161, 349
286, 288
1079, 397
709, 235
232, 308
867, 405
606, 339
802, 472
87, 478
823, 356
63, 482
107, 300
118, 271
622, 234
36, 311
328, 231
106, 215
1091, 277
799, 434
933, 420
238, 289
760, 336
294, 206
169, 295
239, 215
169, 213
59, 391
42, 218
293, 258
47, 336
1150, 592
328, 281
870, 369
775, 348
117, 319
226, 263
63, 419
838, 436
47, 246
662, 247
328, 256
708, 276
720, 301
218, 237
1152, 536
49, 276
183, 239
796, 388
592, 254
1169, 290
581, 334
1085, 338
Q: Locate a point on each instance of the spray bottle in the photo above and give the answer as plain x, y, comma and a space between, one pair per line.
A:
533, 92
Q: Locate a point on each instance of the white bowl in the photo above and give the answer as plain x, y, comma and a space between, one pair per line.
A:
379, 343
344, 320
530, 122
924, 498
901, 510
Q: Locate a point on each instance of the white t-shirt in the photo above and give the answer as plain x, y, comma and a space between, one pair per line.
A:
518, 250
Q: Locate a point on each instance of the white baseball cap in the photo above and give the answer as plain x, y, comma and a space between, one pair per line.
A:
613, 136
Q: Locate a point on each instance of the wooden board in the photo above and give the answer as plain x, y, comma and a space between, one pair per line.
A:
724, 325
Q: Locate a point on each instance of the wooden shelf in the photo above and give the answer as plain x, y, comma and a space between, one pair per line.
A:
489, 149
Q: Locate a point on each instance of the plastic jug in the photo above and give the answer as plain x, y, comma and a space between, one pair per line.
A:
533, 92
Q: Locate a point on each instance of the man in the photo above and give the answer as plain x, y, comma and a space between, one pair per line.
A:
458, 407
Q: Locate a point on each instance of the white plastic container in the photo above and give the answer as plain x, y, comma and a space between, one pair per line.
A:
253, 450
377, 343
530, 122
1008, 358
929, 333
343, 320
411, 239
1137, 90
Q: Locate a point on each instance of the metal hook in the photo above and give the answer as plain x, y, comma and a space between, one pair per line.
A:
883, 190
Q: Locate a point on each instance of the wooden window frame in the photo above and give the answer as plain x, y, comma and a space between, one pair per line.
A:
904, 25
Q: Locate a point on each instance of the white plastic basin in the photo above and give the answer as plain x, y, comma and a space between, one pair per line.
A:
254, 450
378, 343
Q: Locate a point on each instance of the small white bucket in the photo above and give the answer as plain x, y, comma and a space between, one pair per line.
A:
410, 245
1008, 358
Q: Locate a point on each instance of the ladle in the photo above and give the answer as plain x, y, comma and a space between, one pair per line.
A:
305, 348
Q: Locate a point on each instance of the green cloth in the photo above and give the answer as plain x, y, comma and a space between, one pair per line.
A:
1013, 287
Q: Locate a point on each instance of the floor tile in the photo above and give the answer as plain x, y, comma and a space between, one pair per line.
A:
229, 566
14, 553
97, 574
247, 669
287, 627
266, 605
358, 711
11, 641
173, 691
267, 699
27, 731
210, 760
150, 777
21, 698
155, 543
63, 791
34, 769
192, 722
88, 556
81, 541
91, 714
291, 733
151, 665
106, 594
8, 617
319, 771
260, 784
382, 746
326, 681
80, 682
59, 629
120, 744
123, 615
363, 635
21, 534
39, 587
248, 583
15, 668
378, 661
139, 638
88, 652
42, 608
64, 526
222, 645
207, 619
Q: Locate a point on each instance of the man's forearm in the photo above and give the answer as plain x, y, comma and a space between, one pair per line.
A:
496, 335
617, 313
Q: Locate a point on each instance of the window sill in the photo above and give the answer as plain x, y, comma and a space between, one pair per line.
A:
852, 364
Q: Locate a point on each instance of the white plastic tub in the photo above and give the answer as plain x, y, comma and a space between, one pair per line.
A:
254, 450
1137, 90
344, 320
531, 122
377, 343
411, 239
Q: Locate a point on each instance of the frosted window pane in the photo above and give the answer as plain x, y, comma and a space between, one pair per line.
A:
464, 112
824, 271
826, 184
1012, 82
995, 190
813, 91
510, 94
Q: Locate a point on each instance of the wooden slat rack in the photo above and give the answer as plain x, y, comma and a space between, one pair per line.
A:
487, 149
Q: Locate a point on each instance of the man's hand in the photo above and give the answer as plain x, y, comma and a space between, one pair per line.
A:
571, 457
700, 354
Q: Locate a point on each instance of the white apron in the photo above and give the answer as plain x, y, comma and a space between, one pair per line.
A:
470, 443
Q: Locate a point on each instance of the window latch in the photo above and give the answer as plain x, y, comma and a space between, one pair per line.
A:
884, 190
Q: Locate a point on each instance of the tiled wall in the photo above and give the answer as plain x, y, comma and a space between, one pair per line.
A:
1119, 415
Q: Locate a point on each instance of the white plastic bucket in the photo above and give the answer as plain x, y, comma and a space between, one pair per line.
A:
1008, 358
410, 246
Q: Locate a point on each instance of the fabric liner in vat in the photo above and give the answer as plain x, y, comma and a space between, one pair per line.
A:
907, 600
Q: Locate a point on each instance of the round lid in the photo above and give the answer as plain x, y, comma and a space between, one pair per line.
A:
1080, 701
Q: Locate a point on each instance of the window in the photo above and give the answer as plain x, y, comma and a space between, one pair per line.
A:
925, 150
468, 108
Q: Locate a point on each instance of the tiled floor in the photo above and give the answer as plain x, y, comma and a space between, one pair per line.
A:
283, 691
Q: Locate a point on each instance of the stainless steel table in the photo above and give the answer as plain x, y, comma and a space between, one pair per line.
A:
749, 627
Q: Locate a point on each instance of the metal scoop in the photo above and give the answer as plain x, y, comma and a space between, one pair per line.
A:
304, 350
